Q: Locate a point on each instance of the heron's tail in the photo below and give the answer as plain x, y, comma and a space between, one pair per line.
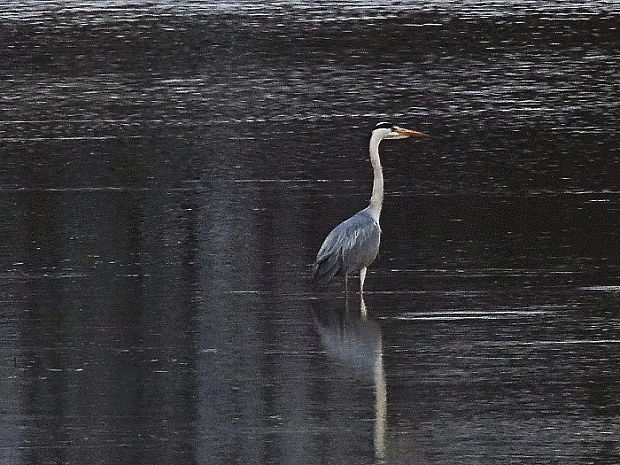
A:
324, 269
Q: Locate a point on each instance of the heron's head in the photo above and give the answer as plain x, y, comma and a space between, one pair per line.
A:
391, 131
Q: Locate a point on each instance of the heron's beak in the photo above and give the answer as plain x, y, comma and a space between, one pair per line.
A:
409, 133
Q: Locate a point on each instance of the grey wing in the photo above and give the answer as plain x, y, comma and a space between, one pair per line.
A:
362, 247
351, 245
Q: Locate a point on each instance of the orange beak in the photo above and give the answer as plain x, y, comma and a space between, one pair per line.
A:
409, 133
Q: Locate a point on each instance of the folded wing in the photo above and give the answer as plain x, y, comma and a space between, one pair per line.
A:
351, 245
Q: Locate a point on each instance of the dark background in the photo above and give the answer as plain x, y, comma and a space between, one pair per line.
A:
169, 169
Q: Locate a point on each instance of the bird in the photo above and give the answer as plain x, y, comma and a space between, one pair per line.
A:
353, 245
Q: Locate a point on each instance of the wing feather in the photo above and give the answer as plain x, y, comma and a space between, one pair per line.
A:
350, 246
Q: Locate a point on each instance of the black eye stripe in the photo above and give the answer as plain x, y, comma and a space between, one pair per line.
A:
384, 126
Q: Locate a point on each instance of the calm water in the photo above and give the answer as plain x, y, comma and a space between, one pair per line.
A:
169, 169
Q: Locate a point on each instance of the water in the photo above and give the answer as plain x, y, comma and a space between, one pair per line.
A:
169, 170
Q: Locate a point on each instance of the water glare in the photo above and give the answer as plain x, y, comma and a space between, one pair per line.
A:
169, 169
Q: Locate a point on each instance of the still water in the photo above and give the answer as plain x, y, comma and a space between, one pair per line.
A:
169, 169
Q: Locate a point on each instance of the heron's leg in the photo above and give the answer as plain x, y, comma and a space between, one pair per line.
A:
363, 311
346, 284
362, 278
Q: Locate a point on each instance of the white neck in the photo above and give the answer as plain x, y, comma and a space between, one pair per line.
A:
376, 199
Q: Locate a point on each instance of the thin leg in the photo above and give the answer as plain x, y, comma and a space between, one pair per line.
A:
362, 306
362, 278
346, 284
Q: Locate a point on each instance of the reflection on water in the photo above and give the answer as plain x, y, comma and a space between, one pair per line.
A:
355, 341
169, 169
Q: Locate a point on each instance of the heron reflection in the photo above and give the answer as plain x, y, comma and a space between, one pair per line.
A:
354, 340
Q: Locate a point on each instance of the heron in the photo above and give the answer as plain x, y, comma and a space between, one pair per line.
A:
353, 245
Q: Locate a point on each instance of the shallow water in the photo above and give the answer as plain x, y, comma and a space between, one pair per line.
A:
169, 170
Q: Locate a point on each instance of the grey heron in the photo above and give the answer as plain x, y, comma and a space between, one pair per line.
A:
354, 244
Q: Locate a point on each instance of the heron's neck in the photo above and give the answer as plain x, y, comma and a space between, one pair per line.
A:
376, 199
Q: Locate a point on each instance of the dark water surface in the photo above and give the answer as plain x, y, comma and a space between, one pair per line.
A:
169, 169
